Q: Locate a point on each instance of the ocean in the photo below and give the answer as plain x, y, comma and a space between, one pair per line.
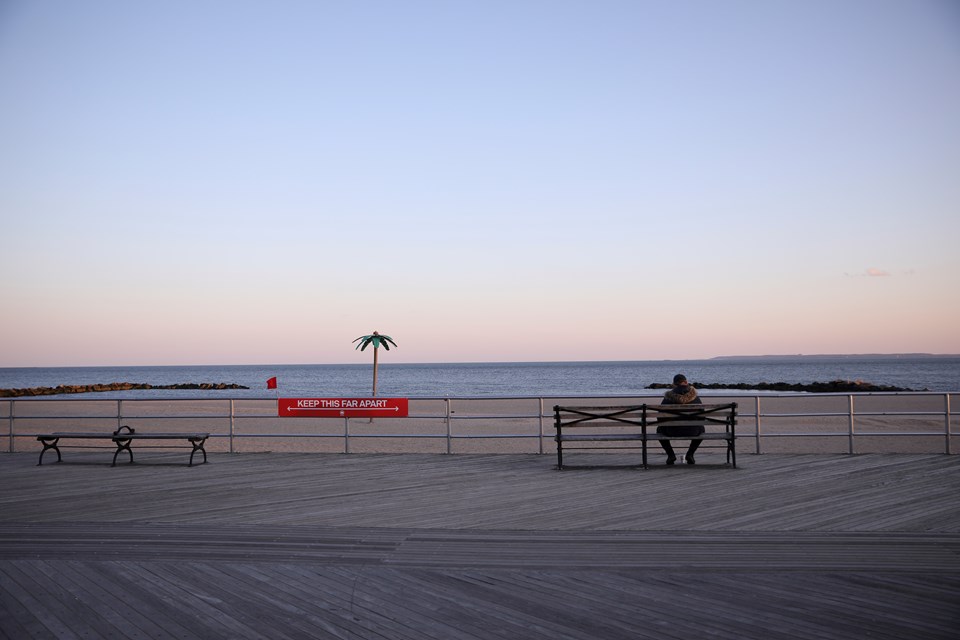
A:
919, 373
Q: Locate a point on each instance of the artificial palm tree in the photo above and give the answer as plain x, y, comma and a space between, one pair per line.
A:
376, 340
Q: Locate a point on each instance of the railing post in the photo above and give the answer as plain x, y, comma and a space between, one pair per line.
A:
851, 427
346, 434
946, 420
119, 413
447, 420
757, 418
541, 424
12, 404
231, 425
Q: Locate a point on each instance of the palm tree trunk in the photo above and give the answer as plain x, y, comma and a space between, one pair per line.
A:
374, 375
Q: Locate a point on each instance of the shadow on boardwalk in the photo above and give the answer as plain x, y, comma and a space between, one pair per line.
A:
478, 546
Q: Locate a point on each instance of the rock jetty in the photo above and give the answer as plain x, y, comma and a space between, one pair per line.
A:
834, 386
113, 386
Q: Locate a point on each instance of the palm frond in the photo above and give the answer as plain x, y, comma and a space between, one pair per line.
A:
376, 340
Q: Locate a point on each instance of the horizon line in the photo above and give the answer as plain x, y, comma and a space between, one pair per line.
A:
494, 362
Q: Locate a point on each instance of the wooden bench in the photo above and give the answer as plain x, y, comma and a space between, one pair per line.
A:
123, 438
632, 427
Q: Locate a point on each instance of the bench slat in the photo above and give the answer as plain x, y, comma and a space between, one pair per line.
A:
601, 436
122, 436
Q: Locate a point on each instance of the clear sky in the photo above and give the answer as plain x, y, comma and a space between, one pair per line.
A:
254, 182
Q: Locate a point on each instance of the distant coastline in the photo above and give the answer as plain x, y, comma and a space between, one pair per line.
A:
837, 356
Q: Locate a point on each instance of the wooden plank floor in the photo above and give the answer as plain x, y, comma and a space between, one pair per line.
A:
478, 546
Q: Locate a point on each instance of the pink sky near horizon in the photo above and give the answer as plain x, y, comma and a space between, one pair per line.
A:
214, 183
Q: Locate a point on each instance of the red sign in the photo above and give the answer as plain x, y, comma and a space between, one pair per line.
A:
342, 407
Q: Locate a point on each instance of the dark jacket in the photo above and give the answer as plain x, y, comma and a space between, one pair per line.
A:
682, 394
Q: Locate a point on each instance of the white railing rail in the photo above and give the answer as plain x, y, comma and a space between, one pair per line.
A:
892, 415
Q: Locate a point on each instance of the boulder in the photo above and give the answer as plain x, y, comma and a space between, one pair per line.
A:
113, 386
834, 386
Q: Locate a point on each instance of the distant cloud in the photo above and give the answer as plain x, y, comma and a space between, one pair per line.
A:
872, 272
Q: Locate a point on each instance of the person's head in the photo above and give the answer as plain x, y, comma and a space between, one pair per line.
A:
679, 380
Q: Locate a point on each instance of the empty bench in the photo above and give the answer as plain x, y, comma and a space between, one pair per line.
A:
123, 438
623, 428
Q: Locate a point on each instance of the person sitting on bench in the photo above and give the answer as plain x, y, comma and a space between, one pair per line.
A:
681, 393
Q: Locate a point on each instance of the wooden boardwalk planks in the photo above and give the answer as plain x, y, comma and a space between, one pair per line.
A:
280, 600
486, 546
926, 553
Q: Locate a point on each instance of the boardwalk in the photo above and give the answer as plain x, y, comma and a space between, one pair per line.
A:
478, 546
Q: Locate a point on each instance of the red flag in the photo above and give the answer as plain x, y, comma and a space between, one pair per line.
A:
272, 383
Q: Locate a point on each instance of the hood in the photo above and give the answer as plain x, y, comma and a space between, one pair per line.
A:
684, 394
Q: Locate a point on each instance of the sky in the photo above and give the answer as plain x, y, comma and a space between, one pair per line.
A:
254, 182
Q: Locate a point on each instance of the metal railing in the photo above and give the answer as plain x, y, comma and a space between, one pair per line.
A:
773, 417
850, 415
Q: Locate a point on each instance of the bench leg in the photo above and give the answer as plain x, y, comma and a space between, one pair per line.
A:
49, 443
197, 446
559, 455
122, 445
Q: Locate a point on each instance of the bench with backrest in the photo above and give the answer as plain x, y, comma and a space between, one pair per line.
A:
633, 427
123, 438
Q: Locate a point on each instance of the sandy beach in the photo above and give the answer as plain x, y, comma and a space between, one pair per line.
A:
911, 423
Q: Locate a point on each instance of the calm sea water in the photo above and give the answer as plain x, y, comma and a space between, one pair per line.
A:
494, 379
